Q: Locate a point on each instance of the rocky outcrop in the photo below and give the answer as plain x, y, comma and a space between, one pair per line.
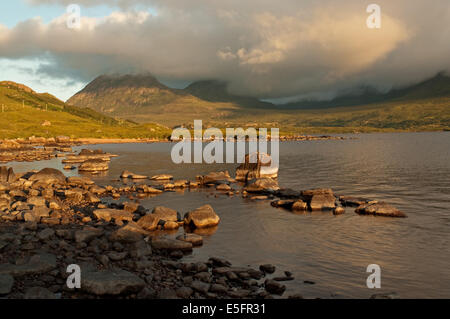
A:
379, 209
111, 282
7, 175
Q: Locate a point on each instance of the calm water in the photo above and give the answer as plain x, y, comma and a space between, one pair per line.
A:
410, 171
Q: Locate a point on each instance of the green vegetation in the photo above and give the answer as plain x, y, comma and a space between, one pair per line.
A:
23, 113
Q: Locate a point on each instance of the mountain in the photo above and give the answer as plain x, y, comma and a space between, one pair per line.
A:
142, 98
217, 91
24, 111
437, 86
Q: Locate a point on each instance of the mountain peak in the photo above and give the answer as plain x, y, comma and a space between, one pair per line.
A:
114, 81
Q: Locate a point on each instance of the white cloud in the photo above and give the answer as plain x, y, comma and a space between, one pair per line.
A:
264, 48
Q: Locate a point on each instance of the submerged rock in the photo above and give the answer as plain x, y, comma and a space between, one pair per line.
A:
379, 209
215, 178
194, 239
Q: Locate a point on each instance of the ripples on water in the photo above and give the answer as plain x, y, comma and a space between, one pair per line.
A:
409, 170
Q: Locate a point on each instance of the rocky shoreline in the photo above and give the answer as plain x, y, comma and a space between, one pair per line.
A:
48, 222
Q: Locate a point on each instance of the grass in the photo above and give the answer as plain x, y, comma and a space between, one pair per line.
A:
23, 112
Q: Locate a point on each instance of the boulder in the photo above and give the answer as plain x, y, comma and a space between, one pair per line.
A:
223, 187
379, 209
107, 214
93, 165
169, 244
194, 239
37, 264
80, 180
274, 287
129, 233
165, 213
202, 217
87, 234
299, 205
48, 176
256, 165
111, 282
262, 185
215, 178
148, 222
6, 284
322, 202
308, 194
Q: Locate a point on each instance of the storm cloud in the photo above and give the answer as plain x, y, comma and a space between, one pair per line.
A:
262, 48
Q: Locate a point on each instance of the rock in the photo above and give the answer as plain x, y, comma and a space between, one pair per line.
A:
170, 225
287, 193
194, 239
165, 243
87, 234
202, 217
218, 288
79, 180
107, 214
391, 295
36, 201
6, 284
130, 207
37, 264
339, 211
129, 233
267, 268
126, 174
256, 165
162, 177
111, 282
308, 194
180, 183
184, 292
7, 175
39, 293
117, 256
150, 190
216, 178
282, 203
36, 214
274, 287
379, 209
94, 165
223, 187
91, 198
140, 249
262, 185
166, 214
97, 190
48, 176
299, 205
352, 201
74, 195
45, 234
148, 222
201, 287
219, 262
322, 202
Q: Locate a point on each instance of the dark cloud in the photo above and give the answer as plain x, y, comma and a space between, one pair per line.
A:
263, 48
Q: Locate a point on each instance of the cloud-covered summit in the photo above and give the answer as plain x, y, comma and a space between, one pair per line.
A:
262, 48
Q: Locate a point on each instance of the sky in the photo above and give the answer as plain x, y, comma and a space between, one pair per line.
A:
276, 50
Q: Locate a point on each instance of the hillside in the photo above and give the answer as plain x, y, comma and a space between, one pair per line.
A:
423, 106
435, 87
25, 112
142, 98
